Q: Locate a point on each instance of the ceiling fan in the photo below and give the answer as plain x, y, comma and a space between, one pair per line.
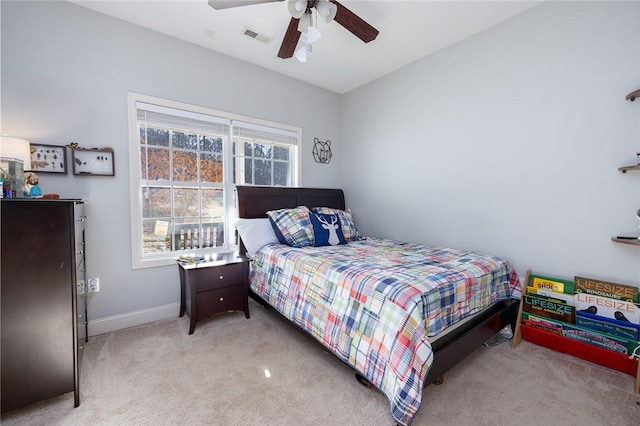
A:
302, 19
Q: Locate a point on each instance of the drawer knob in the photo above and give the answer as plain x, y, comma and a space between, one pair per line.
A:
221, 277
222, 299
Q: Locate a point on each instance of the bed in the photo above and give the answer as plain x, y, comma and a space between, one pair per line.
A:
399, 320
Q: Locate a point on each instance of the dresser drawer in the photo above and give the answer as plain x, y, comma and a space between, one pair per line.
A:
220, 277
220, 300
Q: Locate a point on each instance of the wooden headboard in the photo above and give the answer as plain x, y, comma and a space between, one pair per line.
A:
256, 201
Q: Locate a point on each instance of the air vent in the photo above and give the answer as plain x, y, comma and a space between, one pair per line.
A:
256, 35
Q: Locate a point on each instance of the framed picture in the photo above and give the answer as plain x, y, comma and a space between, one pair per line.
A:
48, 159
92, 162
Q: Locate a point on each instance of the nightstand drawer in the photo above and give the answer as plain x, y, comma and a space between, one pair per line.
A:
221, 300
220, 277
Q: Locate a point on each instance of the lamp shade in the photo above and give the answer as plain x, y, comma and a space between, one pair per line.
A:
16, 149
297, 8
301, 53
313, 35
326, 10
305, 22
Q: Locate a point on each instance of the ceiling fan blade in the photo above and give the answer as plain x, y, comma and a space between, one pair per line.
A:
290, 40
353, 23
226, 4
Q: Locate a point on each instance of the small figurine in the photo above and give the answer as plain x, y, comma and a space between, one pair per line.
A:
31, 185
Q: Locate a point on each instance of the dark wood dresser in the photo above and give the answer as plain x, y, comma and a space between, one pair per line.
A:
42, 260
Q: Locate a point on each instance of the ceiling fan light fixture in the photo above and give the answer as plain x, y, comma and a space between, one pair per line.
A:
304, 22
301, 52
326, 10
297, 8
313, 35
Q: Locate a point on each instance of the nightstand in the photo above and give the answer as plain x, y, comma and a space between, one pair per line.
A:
216, 284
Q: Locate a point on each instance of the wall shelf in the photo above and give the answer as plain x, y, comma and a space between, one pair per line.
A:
624, 169
633, 95
626, 241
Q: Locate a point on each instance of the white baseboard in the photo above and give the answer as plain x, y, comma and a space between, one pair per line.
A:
131, 319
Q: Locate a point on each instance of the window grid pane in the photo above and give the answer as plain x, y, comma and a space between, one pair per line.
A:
182, 179
188, 158
262, 163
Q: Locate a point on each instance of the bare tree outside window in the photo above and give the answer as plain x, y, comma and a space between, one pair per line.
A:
180, 212
262, 163
186, 162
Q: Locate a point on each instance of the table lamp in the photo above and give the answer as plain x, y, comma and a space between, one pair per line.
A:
15, 158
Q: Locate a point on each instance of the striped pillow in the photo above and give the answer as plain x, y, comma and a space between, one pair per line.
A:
292, 226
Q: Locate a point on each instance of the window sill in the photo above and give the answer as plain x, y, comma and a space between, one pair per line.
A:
172, 258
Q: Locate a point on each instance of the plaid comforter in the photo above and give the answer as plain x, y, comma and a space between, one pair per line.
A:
374, 303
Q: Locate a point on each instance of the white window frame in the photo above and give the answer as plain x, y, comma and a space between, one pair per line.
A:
138, 258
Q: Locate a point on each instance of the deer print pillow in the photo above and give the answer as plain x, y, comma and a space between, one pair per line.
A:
326, 230
345, 218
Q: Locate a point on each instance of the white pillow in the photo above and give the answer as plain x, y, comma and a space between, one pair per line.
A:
255, 233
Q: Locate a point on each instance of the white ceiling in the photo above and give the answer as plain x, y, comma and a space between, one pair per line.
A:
340, 62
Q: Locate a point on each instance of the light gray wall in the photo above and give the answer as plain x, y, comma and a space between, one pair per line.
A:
509, 143
66, 71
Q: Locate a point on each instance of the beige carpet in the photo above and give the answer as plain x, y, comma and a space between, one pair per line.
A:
156, 374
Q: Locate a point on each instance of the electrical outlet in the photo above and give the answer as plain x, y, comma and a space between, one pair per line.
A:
80, 287
94, 285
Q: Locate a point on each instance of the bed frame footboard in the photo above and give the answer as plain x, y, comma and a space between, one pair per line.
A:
450, 349
455, 346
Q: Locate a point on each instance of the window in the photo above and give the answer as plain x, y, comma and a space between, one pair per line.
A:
184, 163
262, 158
